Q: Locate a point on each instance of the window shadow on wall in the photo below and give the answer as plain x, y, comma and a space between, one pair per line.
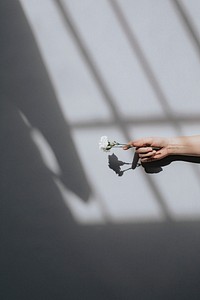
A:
44, 253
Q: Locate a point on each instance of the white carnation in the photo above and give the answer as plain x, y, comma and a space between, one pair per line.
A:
104, 143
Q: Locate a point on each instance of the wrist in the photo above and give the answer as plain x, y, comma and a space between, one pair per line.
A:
175, 146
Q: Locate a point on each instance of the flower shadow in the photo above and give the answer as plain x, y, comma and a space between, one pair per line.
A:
115, 164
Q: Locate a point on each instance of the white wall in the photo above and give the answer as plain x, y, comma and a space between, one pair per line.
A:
135, 76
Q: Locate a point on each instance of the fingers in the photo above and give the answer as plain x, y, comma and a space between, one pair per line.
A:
147, 155
144, 150
157, 155
148, 159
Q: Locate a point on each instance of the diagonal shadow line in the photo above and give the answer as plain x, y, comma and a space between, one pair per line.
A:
70, 25
68, 21
136, 48
188, 23
130, 121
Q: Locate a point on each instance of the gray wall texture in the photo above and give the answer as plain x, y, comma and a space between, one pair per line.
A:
72, 71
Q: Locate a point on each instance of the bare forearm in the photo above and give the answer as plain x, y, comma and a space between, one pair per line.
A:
181, 145
184, 145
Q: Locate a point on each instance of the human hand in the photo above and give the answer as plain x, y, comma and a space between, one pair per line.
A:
150, 149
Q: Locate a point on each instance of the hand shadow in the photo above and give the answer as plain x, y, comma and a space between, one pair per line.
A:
156, 166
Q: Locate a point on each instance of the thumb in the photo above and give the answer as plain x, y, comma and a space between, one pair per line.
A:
139, 143
136, 143
142, 142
